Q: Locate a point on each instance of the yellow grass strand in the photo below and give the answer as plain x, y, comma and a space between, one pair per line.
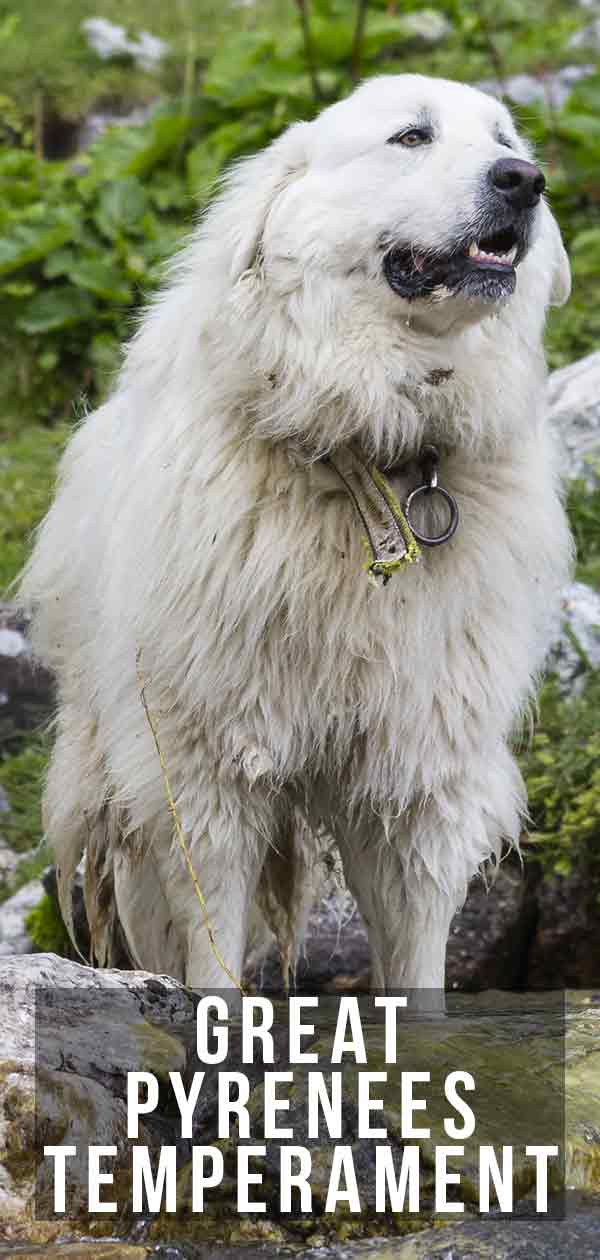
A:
181, 840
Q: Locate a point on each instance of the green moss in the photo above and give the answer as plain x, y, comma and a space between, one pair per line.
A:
46, 928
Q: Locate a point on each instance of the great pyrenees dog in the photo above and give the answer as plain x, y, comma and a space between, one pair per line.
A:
358, 316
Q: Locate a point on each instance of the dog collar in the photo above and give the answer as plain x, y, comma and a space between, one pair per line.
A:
392, 540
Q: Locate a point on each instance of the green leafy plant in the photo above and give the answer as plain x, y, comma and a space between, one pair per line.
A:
562, 771
21, 776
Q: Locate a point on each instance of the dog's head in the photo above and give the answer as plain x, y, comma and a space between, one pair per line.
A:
421, 186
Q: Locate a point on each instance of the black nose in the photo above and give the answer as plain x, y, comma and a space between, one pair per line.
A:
521, 183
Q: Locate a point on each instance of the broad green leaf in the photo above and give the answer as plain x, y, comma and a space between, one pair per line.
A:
203, 166
121, 207
237, 56
98, 276
54, 309
18, 289
58, 263
163, 138
29, 243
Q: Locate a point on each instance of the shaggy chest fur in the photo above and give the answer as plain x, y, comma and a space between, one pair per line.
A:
389, 687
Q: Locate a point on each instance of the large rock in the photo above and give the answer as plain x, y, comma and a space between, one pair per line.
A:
98, 1026
491, 1240
489, 937
577, 646
552, 88
564, 951
574, 411
486, 949
14, 936
9, 860
26, 688
93, 1027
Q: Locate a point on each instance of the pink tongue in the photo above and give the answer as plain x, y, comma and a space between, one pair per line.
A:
419, 261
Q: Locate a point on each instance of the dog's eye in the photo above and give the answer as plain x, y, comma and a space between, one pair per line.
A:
504, 140
412, 138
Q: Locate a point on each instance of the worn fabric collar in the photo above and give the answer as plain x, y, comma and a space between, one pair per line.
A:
392, 542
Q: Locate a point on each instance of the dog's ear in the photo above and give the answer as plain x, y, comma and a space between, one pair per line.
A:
251, 189
561, 271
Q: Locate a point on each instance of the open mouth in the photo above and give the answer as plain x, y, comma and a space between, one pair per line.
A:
482, 267
498, 250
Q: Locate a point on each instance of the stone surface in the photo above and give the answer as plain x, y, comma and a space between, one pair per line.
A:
335, 950
9, 860
489, 937
565, 947
552, 88
96, 123
577, 646
574, 411
14, 937
487, 947
26, 689
97, 1027
577, 1237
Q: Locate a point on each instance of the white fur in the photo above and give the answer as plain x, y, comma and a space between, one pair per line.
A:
197, 525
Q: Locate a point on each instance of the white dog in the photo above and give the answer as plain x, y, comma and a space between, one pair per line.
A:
372, 284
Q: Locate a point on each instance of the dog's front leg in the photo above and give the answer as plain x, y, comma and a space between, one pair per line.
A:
226, 830
407, 912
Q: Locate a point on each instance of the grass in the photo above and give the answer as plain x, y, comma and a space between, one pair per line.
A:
21, 776
28, 458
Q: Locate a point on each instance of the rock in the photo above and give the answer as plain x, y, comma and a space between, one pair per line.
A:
26, 688
588, 37
89, 1028
565, 947
14, 937
122, 958
489, 937
92, 1028
98, 122
335, 950
574, 411
551, 89
486, 949
489, 1240
109, 40
9, 860
577, 647
510, 1045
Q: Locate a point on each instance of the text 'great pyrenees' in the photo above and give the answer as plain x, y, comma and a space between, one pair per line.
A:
236, 562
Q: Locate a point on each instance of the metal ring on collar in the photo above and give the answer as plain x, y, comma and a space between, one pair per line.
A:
437, 539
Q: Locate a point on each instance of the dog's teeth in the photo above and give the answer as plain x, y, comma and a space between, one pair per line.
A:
482, 255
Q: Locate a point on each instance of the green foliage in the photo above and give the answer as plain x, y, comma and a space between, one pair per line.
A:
584, 514
21, 776
83, 243
47, 930
27, 465
562, 765
562, 772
